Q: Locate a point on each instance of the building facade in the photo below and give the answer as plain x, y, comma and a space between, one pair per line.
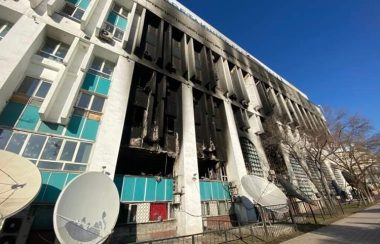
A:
150, 94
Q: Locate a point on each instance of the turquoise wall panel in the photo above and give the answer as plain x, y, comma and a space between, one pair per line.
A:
161, 190
54, 187
128, 189
144, 189
118, 180
150, 194
89, 82
139, 189
112, 18
52, 128
121, 23
84, 4
103, 86
213, 190
90, 129
29, 118
75, 126
74, 1
11, 113
169, 190
45, 179
70, 177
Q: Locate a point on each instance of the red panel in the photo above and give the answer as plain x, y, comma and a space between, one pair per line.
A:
158, 211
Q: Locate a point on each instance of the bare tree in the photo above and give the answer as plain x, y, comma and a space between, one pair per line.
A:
355, 148
308, 147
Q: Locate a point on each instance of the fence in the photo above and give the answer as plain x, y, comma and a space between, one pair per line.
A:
270, 226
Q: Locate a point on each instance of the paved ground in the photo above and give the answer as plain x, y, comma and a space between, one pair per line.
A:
359, 228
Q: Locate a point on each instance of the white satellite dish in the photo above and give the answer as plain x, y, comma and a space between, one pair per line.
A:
20, 182
87, 209
265, 193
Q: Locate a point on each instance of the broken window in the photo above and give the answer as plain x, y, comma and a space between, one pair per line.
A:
151, 131
251, 157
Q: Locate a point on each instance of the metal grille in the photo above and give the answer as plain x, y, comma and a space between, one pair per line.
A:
301, 177
251, 158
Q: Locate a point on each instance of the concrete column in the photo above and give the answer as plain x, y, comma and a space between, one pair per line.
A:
106, 148
235, 167
189, 217
306, 116
21, 42
278, 107
300, 115
291, 107
309, 116
254, 97
285, 106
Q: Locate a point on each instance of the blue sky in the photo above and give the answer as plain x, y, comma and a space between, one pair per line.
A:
329, 49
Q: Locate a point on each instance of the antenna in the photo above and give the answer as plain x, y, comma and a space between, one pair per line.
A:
20, 182
87, 209
265, 193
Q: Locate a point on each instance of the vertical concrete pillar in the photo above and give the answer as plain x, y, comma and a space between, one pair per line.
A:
300, 115
235, 167
189, 217
281, 99
291, 108
311, 121
106, 148
21, 42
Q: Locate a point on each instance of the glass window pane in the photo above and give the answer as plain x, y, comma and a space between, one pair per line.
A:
5, 30
49, 46
49, 165
84, 100
68, 150
97, 104
108, 27
83, 153
68, 9
43, 89
97, 64
119, 34
16, 143
62, 50
52, 148
4, 137
116, 8
34, 146
75, 167
108, 67
28, 86
78, 14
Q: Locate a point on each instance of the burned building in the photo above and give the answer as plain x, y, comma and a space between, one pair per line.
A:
145, 91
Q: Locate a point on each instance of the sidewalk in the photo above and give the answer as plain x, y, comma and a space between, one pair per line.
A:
359, 228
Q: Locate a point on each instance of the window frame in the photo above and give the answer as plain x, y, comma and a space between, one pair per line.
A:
91, 102
101, 72
53, 55
114, 27
36, 89
3, 28
76, 8
47, 138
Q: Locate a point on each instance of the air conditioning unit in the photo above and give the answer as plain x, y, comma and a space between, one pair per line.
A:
105, 35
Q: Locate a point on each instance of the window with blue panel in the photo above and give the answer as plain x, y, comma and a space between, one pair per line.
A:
144, 189
75, 8
213, 190
52, 185
11, 113
116, 22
